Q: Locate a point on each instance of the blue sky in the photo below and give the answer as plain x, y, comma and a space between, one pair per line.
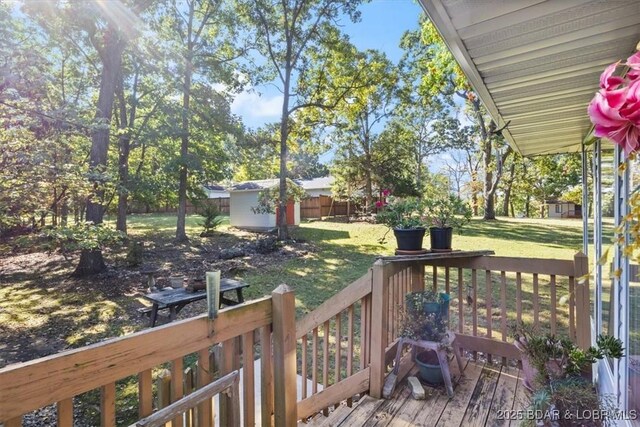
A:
381, 27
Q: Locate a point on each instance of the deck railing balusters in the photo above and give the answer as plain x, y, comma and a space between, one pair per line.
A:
552, 296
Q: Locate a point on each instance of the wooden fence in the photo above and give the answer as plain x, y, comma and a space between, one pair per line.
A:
321, 206
221, 203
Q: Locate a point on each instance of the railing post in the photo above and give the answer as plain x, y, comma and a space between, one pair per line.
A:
417, 277
583, 307
379, 325
284, 356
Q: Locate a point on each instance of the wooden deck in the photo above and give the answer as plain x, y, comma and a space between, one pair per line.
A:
479, 395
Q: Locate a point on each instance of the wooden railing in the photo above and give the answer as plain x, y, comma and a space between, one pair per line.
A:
334, 349
345, 347
59, 378
488, 294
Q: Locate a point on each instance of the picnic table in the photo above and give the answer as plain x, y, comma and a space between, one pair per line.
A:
175, 300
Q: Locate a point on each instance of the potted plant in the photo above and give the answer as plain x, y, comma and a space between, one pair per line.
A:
548, 357
404, 217
568, 402
444, 214
425, 318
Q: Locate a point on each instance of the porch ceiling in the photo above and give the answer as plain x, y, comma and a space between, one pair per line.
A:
537, 63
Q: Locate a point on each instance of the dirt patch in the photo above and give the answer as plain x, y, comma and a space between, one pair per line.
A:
43, 310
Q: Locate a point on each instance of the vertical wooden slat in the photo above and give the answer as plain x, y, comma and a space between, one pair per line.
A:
460, 301
503, 309
249, 407
145, 393
284, 357
338, 360
229, 354
474, 306
325, 353
350, 324
303, 370
489, 302
519, 297
572, 307
554, 306
314, 362
205, 409
488, 283
435, 278
108, 405
64, 409
189, 387
266, 379
447, 279
177, 391
536, 301
325, 360
392, 300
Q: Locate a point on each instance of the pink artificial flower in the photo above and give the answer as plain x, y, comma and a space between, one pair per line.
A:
379, 204
615, 109
385, 193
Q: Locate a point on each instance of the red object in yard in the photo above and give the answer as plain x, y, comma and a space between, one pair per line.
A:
291, 213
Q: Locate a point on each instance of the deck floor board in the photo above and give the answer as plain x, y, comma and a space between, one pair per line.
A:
479, 393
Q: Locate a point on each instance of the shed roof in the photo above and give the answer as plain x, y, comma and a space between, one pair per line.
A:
257, 185
537, 63
317, 183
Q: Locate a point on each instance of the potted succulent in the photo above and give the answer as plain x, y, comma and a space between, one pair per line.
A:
547, 357
444, 214
404, 217
425, 318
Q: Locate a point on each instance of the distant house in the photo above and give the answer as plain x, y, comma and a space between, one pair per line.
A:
317, 186
244, 196
562, 209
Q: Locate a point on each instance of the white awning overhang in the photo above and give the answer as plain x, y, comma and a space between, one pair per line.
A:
536, 64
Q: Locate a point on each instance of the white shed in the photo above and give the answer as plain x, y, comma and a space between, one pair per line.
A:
317, 186
562, 209
244, 196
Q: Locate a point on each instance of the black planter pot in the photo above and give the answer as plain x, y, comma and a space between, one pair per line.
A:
441, 238
409, 239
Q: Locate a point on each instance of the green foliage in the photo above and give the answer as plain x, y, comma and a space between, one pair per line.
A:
558, 357
447, 211
269, 198
400, 213
85, 236
212, 218
416, 324
135, 254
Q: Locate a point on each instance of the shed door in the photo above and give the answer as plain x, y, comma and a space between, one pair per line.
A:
291, 216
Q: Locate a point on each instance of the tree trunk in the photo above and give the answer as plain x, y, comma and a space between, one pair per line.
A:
124, 146
281, 219
91, 261
181, 234
368, 184
527, 206
507, 191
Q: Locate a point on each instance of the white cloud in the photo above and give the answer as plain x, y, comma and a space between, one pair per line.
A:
252, 105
